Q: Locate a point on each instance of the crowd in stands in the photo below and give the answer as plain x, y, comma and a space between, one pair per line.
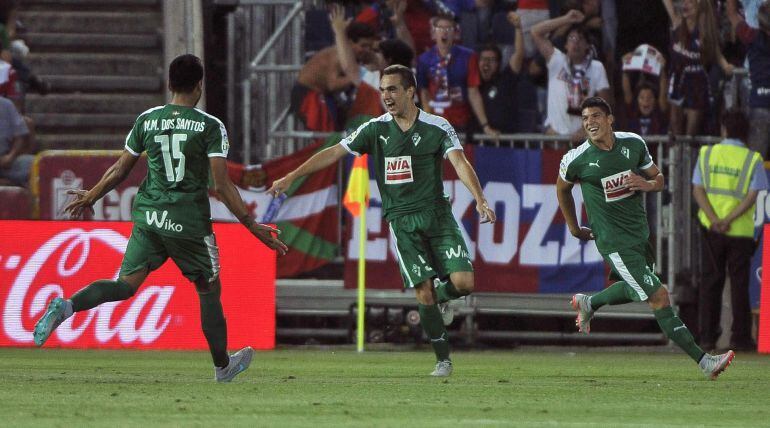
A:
507, 66
17, 142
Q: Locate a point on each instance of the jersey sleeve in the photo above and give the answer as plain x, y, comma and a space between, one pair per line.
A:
450, 141
645, 159
217, 143
567, 167
360, 140
134, 141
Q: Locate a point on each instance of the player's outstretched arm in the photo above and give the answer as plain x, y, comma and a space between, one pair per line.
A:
232, 199
85, 199
316, 162
567, 206
471, 180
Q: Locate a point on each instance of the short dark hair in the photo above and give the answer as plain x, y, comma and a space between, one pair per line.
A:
184, 73
492, 47
581, 30
407, 77
736, 124
357, 31
396, 51
596, 102
642, 86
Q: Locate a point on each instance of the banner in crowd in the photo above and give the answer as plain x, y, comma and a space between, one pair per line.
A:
308, 219
40, 260
528, 249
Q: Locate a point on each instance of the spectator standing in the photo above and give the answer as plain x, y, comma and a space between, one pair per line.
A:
448, 79
726, 181
694, 48
646, 113
758, 42
312, 97
14, 165
573, 75
499, 85
366, 100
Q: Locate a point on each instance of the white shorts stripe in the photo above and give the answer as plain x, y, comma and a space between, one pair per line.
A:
626, 275
400, 259
211, 246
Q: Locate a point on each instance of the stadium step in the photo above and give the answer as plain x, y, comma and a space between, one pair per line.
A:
65, 120
93, 22
96, 64
104, 60
81, 141
105, 83
92, 103
79, 42
111, 5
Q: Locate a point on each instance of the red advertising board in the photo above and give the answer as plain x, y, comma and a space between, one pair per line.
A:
40, 260
763, 335
57, 171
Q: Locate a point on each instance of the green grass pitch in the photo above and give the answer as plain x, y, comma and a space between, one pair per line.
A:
337, 387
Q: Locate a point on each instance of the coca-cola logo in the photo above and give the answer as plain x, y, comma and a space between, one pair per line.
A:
144, 320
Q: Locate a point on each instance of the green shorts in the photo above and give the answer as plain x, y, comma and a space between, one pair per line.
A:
635, 266
429, 244
196, 257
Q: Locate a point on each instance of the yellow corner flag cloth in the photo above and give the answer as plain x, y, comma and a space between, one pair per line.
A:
357, 195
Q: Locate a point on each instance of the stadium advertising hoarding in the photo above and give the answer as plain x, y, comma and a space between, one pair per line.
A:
40, 260
761, 217
528, 250
308, 219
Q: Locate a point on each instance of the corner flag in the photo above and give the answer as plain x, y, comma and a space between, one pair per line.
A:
356, 201
357, 195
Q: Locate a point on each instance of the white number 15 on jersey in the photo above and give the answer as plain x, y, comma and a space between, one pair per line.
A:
172, 174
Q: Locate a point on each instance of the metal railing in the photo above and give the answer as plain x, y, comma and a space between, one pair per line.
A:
673, 224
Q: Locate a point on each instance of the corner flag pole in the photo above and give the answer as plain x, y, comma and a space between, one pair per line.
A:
361, 280
356, 201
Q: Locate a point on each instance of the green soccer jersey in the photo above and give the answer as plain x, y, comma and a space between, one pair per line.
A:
616, 214
173, 198
407, 164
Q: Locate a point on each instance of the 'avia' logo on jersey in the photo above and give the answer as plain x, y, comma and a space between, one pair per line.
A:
162, 222
615, 186
398, 170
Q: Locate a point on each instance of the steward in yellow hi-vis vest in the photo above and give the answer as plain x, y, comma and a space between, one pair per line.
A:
726, 180
726, 169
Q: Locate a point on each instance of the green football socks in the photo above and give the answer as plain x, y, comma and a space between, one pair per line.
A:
675, 330
446, 291
616, 294
214, 325
430, 318
101, 291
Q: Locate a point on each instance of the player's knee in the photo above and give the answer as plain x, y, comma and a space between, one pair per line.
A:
205, 286
425, 294
463, 282
659, 299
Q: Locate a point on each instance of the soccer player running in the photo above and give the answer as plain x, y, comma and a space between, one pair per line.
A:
407, 146
171, 212
613, 168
